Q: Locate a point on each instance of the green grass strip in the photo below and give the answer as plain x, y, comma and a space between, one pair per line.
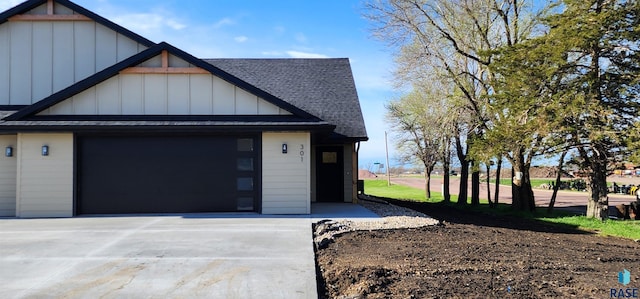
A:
626, 229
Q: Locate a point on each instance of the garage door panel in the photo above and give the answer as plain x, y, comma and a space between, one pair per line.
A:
160, 174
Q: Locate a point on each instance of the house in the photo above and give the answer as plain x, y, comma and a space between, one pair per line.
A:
99, 120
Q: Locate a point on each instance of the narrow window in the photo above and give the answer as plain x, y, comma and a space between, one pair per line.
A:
245, 145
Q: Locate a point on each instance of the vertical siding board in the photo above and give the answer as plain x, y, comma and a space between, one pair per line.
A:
175, 61
283, 112
246, 103
178, 94
152, 62
223, 97
132, 94
155, 94
62, 108
21, 63
108, 97
52, 197
126, 47
266, 108
8, 173
84, 43
42, 73
201, 89
62, 10
106, 47
286, 184
84, 103
63, 55
39, 10
5, 62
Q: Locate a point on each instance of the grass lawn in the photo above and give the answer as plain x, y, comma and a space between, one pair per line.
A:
381, 189
626, 229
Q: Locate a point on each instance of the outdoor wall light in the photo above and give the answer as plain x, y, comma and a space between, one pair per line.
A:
45, 150
8, 151
284, 148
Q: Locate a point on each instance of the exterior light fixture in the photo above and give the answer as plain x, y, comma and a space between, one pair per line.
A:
284, 148
45, 150
8, 151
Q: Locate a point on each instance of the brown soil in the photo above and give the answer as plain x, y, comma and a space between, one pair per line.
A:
365, 174
473, 255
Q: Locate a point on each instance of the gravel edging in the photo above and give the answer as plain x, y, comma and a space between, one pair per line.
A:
393, 217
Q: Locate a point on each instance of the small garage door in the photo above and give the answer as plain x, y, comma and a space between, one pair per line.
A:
167, 174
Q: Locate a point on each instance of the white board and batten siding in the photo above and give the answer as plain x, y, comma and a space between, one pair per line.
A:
40, 58
286, 178
165, 94
8, 171
45, 183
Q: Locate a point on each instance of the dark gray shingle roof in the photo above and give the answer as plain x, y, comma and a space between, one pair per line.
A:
322, 87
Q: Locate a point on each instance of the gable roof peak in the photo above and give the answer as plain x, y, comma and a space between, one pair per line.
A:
141, 57
31, 4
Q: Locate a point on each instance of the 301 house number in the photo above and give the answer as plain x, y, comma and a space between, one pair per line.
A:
302, 153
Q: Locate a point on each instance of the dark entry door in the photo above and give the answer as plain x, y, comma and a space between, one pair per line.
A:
330, 174
167, 174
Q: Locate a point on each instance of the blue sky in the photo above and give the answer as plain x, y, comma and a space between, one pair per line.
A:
268, 29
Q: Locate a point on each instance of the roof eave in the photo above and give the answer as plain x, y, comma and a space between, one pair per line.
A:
172, 128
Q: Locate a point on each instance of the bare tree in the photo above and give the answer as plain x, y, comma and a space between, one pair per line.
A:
457, 37
416, 120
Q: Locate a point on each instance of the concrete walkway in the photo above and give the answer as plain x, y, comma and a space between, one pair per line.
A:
175, 256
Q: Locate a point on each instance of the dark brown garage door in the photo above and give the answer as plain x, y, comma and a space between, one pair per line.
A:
167, 174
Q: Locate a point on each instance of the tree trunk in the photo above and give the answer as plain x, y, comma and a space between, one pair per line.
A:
556, 186
497, 191
464, 172
475, 183
521, 191
598, 205
488, 165
427, 182
446, 167
464, 183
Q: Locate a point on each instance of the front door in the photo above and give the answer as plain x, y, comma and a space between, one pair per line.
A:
330, 174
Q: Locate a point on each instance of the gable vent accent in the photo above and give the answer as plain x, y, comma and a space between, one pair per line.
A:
164, 69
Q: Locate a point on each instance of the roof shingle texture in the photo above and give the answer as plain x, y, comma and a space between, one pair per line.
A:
322, 87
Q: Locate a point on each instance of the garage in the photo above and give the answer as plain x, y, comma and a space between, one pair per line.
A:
167, 174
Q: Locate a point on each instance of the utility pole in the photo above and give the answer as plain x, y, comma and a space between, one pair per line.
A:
386, 147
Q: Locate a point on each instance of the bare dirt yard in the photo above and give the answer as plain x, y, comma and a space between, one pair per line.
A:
472, 255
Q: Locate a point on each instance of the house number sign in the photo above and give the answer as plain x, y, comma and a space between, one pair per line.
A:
302, 153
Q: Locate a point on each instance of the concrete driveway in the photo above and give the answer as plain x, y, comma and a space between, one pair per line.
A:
183, 256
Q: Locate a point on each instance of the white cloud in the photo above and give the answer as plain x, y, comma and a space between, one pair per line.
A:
175, 25
224, 22
6, 4
241, 39
149, 24
272, 53
296, 54
301, 38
